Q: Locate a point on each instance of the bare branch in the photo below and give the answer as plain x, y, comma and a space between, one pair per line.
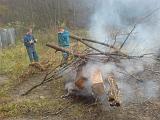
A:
89, 40
127, 36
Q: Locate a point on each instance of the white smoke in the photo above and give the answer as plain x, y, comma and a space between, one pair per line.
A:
143, 91
131, 90
120, 16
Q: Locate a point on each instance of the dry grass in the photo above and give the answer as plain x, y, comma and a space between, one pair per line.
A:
14, 63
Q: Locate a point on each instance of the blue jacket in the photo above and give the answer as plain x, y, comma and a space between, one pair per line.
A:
27, 38
63, 39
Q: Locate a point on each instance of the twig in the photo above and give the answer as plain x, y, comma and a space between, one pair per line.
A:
115, 39
61, 110
148, 15
93, 104
53, 70
128, 36
127, 73
156, 72
63, 69
134, 77
93, 47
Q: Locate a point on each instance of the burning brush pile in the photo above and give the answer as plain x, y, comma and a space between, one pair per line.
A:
94, 73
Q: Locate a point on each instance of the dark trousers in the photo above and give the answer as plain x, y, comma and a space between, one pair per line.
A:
33, 57
65, 58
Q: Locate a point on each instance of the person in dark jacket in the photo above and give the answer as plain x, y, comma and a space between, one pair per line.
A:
29, 43
64, 41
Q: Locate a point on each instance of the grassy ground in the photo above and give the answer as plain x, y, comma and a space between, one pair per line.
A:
14, 62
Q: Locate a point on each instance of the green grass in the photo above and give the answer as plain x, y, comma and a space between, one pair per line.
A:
14, 59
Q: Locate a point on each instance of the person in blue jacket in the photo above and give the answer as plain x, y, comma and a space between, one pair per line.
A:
29, 43
63, 41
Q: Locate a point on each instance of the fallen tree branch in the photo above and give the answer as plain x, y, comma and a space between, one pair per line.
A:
92, 47
83, 56
56, 75
41, 83
56, 47
89, 40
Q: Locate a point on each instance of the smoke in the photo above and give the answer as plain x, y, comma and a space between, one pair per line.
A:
131, 90
120, 16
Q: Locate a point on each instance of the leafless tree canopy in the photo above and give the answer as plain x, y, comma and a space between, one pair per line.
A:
46, 13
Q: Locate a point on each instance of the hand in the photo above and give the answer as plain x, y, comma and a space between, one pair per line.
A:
31, 42
56, 51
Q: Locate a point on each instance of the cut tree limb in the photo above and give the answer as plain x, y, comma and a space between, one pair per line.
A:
56, 47
94, 41
89, 40
55, 75
91, 47
97, 83
113, 93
